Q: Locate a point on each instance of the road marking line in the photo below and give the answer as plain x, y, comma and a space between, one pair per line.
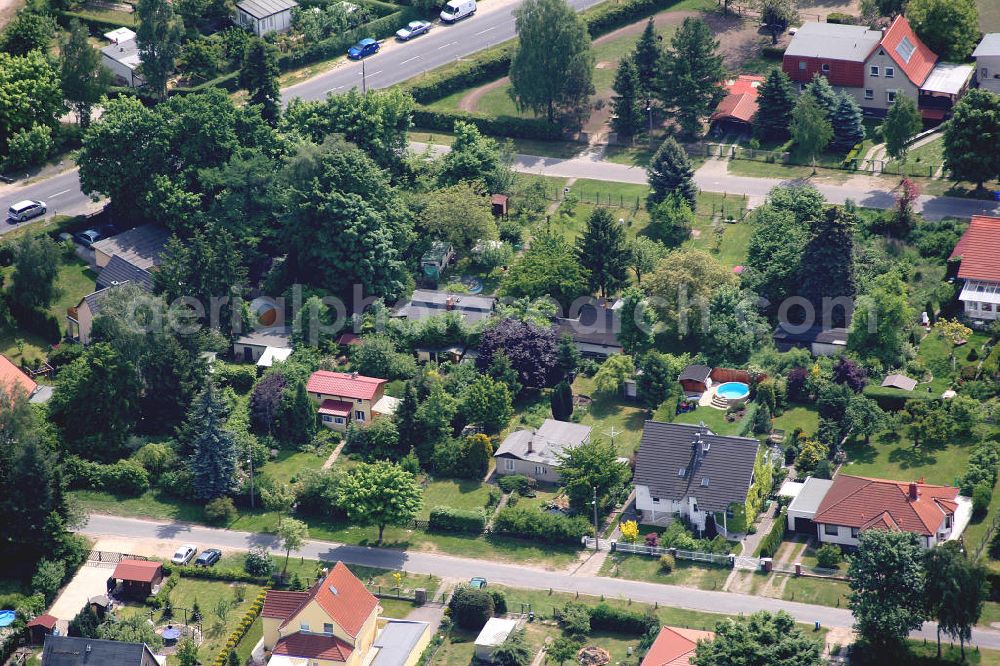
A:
376, 73
53, 196
482, 31
446, 45
411, 60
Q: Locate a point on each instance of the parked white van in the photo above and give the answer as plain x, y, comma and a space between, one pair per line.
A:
25, 210
456, 10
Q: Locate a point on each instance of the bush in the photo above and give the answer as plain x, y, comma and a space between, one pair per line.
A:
177, 482
485, 66
499, 602
773, 51
240, 378
607, 618
517, 483
471, 608
772, 540
652, 539
841, 18
667, 563
125, 477
48, 578
336, 45
447, 519
829, 556
221, 511
982, 495
155, 458
509, 126
28, 147
531, 523
973, 354
259, 562
316, 494
574, 619
41, 323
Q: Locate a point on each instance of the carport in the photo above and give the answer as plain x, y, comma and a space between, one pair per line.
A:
803, 508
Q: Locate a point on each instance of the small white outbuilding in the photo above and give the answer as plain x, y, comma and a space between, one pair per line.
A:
492, 636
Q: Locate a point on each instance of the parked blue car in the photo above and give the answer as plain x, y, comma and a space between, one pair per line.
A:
363, 49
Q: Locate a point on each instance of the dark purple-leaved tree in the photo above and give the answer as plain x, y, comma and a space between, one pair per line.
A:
797, 384
846, 371
532, 351
264, 402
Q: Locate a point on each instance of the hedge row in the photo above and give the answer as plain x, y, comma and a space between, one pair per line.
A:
770, 543
608, 618
229, 82
124, 477
609, 16
380, 28
94, 23
893, 400
531, 523
522, 128
447, 519
841, 18
230, 575
245, 623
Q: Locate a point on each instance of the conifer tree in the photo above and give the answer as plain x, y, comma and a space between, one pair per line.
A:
848, 123
603, 252
627, 120
213, 463
823, 93
647, 58
671, 171
775, 101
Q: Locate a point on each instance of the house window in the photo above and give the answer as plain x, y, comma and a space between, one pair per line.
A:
890, 72
832, 530
656, 500
987, 307
947, 522
983, 73
802, 65
510, 465
681, 472
869, 93
704, 481
855, 532
890, 96
539, 470
825, 67
327, 418
694, 508
338, 420
359, 415
327, 628
359, 401
303, 627
874, 70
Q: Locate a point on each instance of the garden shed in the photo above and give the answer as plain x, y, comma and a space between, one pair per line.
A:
492, 636
138, 578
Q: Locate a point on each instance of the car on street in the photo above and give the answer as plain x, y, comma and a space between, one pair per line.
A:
184, 554
87, 238
208, 557
25, 210
363, 49
456, 10
477, 583
412, 29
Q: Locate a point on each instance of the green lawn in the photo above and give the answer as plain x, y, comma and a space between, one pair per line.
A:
758, 169
891, 456
456, 493
923, 161
806, 418
822, 592
611, 412
287, 466
714, 418
687, 574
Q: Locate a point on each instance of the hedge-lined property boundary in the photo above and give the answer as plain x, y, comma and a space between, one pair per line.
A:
245, 623
770, 543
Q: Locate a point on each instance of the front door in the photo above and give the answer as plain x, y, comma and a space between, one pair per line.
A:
248, 354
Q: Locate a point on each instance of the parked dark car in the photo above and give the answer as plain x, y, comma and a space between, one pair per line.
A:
363, 49
88, 237
209, 557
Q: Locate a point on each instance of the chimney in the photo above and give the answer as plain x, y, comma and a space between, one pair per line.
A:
531, 443
913, 491
354, 375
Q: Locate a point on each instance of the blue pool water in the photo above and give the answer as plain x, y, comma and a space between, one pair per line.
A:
733, 390
6, 618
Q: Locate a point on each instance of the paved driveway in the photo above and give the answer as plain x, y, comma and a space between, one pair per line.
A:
90, 581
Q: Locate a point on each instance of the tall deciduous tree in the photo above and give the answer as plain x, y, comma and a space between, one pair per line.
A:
887, 581
774, 253
487, 403
848, 122
553, 66
33, 282
762, 639
335, 193
646, 56
460, 214
603, 252
548, 268
158, 38
588, 466
810, 128
214, 462
966, 154
259, 77
83, 77
880, 320
682, 285
380, 494
531, 349
29, 86
670, 171
777, 15
95, 403
292, 534
644, 254
864, 417
473, 156
900, 125
956, 588
30, 30
775, 101
207, 264
690, 73
626, 105
734, 328
949, 28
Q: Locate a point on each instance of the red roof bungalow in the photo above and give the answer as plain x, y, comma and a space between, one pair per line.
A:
675, 647
138, 578
334, 622
11, 376
979, 267
854, 504
345, 397
738, 107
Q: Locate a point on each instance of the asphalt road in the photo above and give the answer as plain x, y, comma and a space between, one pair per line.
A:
60, 192
523, 576
492, 23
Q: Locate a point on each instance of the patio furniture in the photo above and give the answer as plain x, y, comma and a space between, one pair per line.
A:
171, 634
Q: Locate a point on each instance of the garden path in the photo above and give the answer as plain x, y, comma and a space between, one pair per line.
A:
333, 456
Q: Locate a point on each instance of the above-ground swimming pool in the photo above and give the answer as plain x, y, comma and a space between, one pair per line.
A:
7, 618
734, 393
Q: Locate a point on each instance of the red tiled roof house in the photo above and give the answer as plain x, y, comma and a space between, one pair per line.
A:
675, 647
138, 578
876, 66
738, 107
854, 504
978, 252
333, 623
344, 397
11, 376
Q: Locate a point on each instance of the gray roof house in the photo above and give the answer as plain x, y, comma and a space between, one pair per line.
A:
535, 453
852, 43
119, 271
803, 507
264, 16
140, 246
425, 303
123, 61
987, 56
398, 641
898, 381
594, 329
71, 651
688, 470
264, 346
